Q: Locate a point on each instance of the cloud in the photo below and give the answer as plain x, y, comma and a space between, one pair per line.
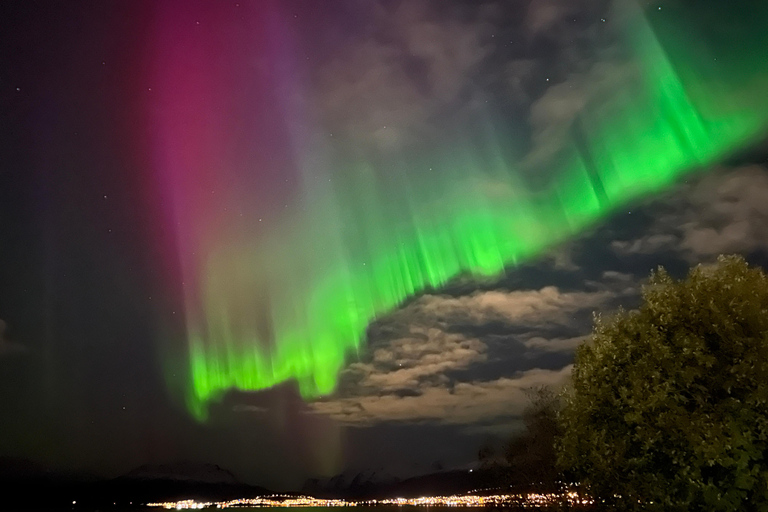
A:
562, 259
425, 69
554, 114
582, 62
555, 344
424, 357
567, 21
425, 364
406, 365
650, 244
725, 212
386, 87
520, 77
524, 307
463, 403
543, 15
618, 277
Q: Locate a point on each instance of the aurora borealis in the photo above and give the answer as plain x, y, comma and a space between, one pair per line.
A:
296, 238
276, 292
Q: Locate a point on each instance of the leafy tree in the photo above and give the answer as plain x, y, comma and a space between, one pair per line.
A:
668, 406
487, 456
531, 454
528, 458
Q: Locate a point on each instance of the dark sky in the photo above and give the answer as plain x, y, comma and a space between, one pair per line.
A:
94, 278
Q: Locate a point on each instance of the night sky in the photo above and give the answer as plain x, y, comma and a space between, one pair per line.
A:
295, 238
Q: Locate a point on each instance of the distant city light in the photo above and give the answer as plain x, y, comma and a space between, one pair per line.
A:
532, 499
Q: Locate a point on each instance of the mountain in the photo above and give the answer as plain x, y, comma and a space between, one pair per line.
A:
29, 486
380, 484
349, 483
173, 482
183, 472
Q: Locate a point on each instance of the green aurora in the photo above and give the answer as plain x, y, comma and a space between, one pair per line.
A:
321, 278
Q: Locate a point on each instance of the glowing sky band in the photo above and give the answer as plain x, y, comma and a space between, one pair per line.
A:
266, 305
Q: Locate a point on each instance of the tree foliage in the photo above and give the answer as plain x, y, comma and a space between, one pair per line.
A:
531, 454
528, 458
668, 405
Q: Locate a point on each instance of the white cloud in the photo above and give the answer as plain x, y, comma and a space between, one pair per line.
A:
406, 363
385, 89
464, 403
552, 116
548, 304
650, 244
424, 366
725, 212
412, 377
555, 344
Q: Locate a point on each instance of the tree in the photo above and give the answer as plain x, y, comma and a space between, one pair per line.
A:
528, 458
531, 454
668, 405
